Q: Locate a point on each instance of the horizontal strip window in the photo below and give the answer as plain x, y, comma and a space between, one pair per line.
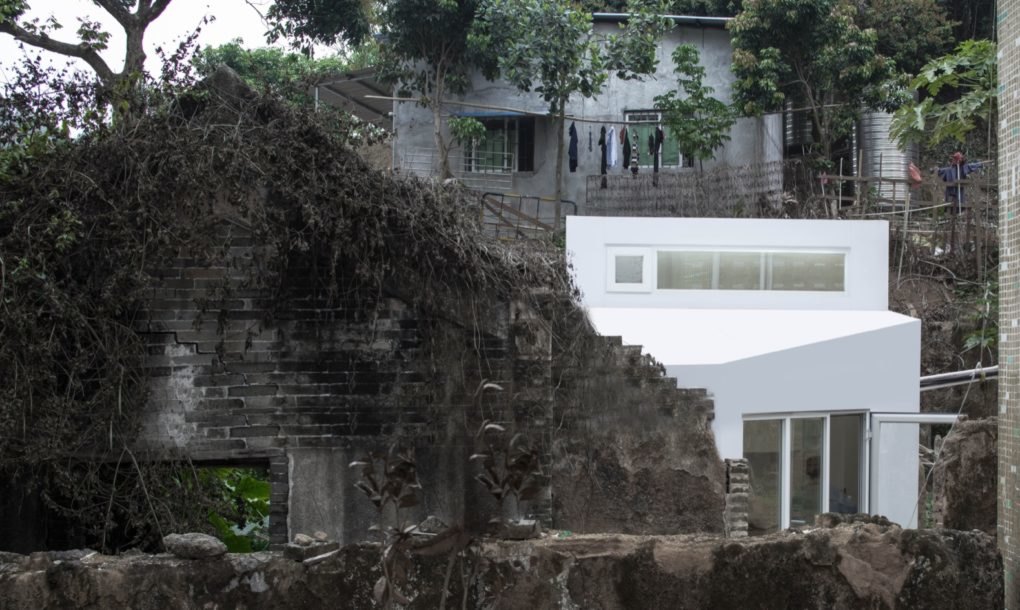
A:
749, 270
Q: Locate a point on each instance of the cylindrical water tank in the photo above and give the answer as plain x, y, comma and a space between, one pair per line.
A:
881, 156
797, 132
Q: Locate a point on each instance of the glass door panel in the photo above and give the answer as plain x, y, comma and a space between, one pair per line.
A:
845, 437
763, 446
805, 470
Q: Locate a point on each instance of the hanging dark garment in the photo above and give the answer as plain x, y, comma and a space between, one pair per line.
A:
602, 165
572, 149
626, 148
656, 147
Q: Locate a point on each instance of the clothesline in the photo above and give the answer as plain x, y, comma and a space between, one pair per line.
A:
518, 110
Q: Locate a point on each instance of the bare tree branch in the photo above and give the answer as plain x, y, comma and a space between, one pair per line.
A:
156, 10
117, 10
81, 50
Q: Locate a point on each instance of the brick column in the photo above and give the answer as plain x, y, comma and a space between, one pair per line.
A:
1008, 23
737, 488
279, 499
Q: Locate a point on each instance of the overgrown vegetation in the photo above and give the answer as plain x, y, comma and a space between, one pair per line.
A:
86, 221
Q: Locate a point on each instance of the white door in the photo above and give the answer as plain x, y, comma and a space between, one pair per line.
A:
894, 469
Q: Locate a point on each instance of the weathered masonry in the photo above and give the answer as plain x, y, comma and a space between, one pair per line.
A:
307, 384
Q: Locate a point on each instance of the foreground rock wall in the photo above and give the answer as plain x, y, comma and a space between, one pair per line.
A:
965, 476
848, 566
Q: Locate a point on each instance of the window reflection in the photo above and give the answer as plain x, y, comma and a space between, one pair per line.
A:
763, 445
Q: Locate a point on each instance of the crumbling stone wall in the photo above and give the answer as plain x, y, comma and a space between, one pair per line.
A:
965, 477
306, 384
860, 565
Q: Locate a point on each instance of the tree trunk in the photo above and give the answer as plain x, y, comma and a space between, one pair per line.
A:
557, 206
436, 101
441, 148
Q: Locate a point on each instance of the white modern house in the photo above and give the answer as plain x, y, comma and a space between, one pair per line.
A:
786, 324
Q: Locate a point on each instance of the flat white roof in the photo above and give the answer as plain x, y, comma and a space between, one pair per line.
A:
716, 336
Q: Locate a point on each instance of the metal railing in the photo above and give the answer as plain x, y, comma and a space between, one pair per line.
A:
518, 217
482, 171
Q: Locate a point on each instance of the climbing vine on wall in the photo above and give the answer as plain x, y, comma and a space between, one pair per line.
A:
89, 215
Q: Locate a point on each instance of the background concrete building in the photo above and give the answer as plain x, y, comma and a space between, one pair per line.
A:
519, 153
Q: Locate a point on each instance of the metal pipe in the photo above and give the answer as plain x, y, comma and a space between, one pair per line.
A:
945, 380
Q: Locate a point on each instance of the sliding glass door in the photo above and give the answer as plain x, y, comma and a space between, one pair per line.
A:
802, 465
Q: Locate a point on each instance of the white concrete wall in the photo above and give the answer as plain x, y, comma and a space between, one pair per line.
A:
873, 371
754, 140
866, 265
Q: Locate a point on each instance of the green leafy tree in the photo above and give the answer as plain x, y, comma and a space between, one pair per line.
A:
426, 52
966, 77
272, 69
89, 39
810, 52
303, 21
700, 123
910, 32
329, 22
551, 48
425, 48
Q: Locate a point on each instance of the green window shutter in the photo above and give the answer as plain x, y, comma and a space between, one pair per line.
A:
670, 150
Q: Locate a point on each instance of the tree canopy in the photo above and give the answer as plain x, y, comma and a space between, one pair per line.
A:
89, 38
956, 92
426, 53
551, 48
700, 123
813, 54
274, 70
304, 22
909, 32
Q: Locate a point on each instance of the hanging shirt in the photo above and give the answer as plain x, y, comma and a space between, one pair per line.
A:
602, 145
611, 145
626, 148
572, 149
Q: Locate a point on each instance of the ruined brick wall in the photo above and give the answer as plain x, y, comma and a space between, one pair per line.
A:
302, 393
320, 382
633, 453
1008, 20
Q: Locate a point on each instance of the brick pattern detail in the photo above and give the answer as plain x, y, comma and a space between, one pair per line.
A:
230, 385
738, 486
1008, 24
225, 386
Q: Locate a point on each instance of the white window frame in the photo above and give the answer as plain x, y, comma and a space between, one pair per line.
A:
786, 452
763, 270
647, 269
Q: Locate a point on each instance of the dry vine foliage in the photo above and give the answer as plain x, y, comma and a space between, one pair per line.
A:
86, 222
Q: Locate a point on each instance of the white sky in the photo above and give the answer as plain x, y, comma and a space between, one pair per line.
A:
233, 19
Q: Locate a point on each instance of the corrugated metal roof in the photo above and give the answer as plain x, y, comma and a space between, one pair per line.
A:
348, 92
